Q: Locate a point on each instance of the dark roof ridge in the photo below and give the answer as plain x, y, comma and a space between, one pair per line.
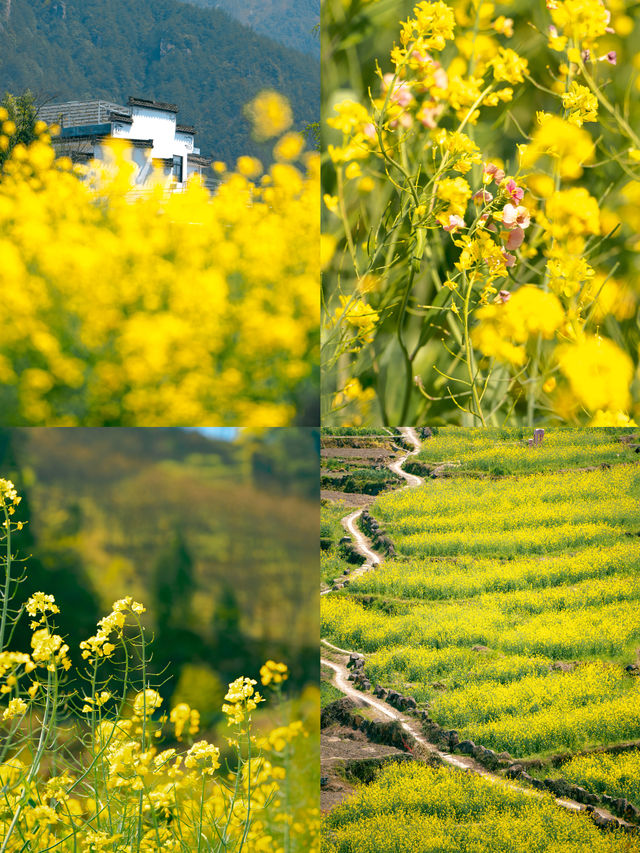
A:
158, 105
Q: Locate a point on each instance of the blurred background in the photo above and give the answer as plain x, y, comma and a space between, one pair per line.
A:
215, 530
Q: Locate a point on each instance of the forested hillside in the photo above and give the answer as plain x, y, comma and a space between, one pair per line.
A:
198, 58
291, 22
216, 538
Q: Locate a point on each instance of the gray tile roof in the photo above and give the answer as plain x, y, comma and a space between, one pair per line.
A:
72, 113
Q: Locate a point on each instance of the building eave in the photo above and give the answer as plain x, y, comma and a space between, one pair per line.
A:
199, 160
152, 105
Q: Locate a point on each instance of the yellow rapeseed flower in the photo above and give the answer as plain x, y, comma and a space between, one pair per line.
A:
599, 373
270, 114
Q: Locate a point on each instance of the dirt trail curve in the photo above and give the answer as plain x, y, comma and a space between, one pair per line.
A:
358, 538
408, 723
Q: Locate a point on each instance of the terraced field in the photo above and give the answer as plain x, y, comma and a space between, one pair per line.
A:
356, 461
509, 614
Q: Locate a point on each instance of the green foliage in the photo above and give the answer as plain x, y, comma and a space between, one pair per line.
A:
332, 564
200, 59
283, 460
328, 693
173, 583
331, 514
22, 111
290, 22
356, 431
200, 687
355, 479
104, 506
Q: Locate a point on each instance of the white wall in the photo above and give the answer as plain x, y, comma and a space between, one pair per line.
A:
157, 125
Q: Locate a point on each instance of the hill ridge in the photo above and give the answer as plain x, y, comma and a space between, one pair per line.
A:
198, 58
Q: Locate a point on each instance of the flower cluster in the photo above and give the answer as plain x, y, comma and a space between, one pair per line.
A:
49, 650
204, 757
9, 498
273, 673
101, 782
186, 720
462, 215
100, 645
240, 700
148, 308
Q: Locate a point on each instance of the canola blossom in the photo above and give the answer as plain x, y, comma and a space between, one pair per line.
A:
85, 766
615, 775
480, 227
412, 806
147, 308
509, 608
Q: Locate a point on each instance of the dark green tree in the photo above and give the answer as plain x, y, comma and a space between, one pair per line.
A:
172, 586
23, 112
230, 647
49, 567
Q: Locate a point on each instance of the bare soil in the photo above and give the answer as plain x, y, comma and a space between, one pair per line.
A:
367, 453
339, 745
350, 499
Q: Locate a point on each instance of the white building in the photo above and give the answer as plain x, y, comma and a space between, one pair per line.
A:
157, 140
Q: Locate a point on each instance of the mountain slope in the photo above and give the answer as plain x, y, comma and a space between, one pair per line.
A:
107, 506
290, 22
200, 59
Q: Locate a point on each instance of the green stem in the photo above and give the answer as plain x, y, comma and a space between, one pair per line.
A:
469, 352
7, 581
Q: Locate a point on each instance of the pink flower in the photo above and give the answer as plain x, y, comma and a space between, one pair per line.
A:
404, 120
509, 260
503, 296
440, 78
516, 192
483, 196
430, 113
455, 222
401, 93
515, 216
422, 57
492, 171
611, 57
369, 130
515, 238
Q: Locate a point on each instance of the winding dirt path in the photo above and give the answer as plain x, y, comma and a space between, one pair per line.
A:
360, 541
410, 724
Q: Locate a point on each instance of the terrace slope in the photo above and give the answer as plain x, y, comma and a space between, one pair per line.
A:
455, 654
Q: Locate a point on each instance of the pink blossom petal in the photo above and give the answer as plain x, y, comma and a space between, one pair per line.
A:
455, 222
509, 216
516, 192
515, 238
492, 171
483, 196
